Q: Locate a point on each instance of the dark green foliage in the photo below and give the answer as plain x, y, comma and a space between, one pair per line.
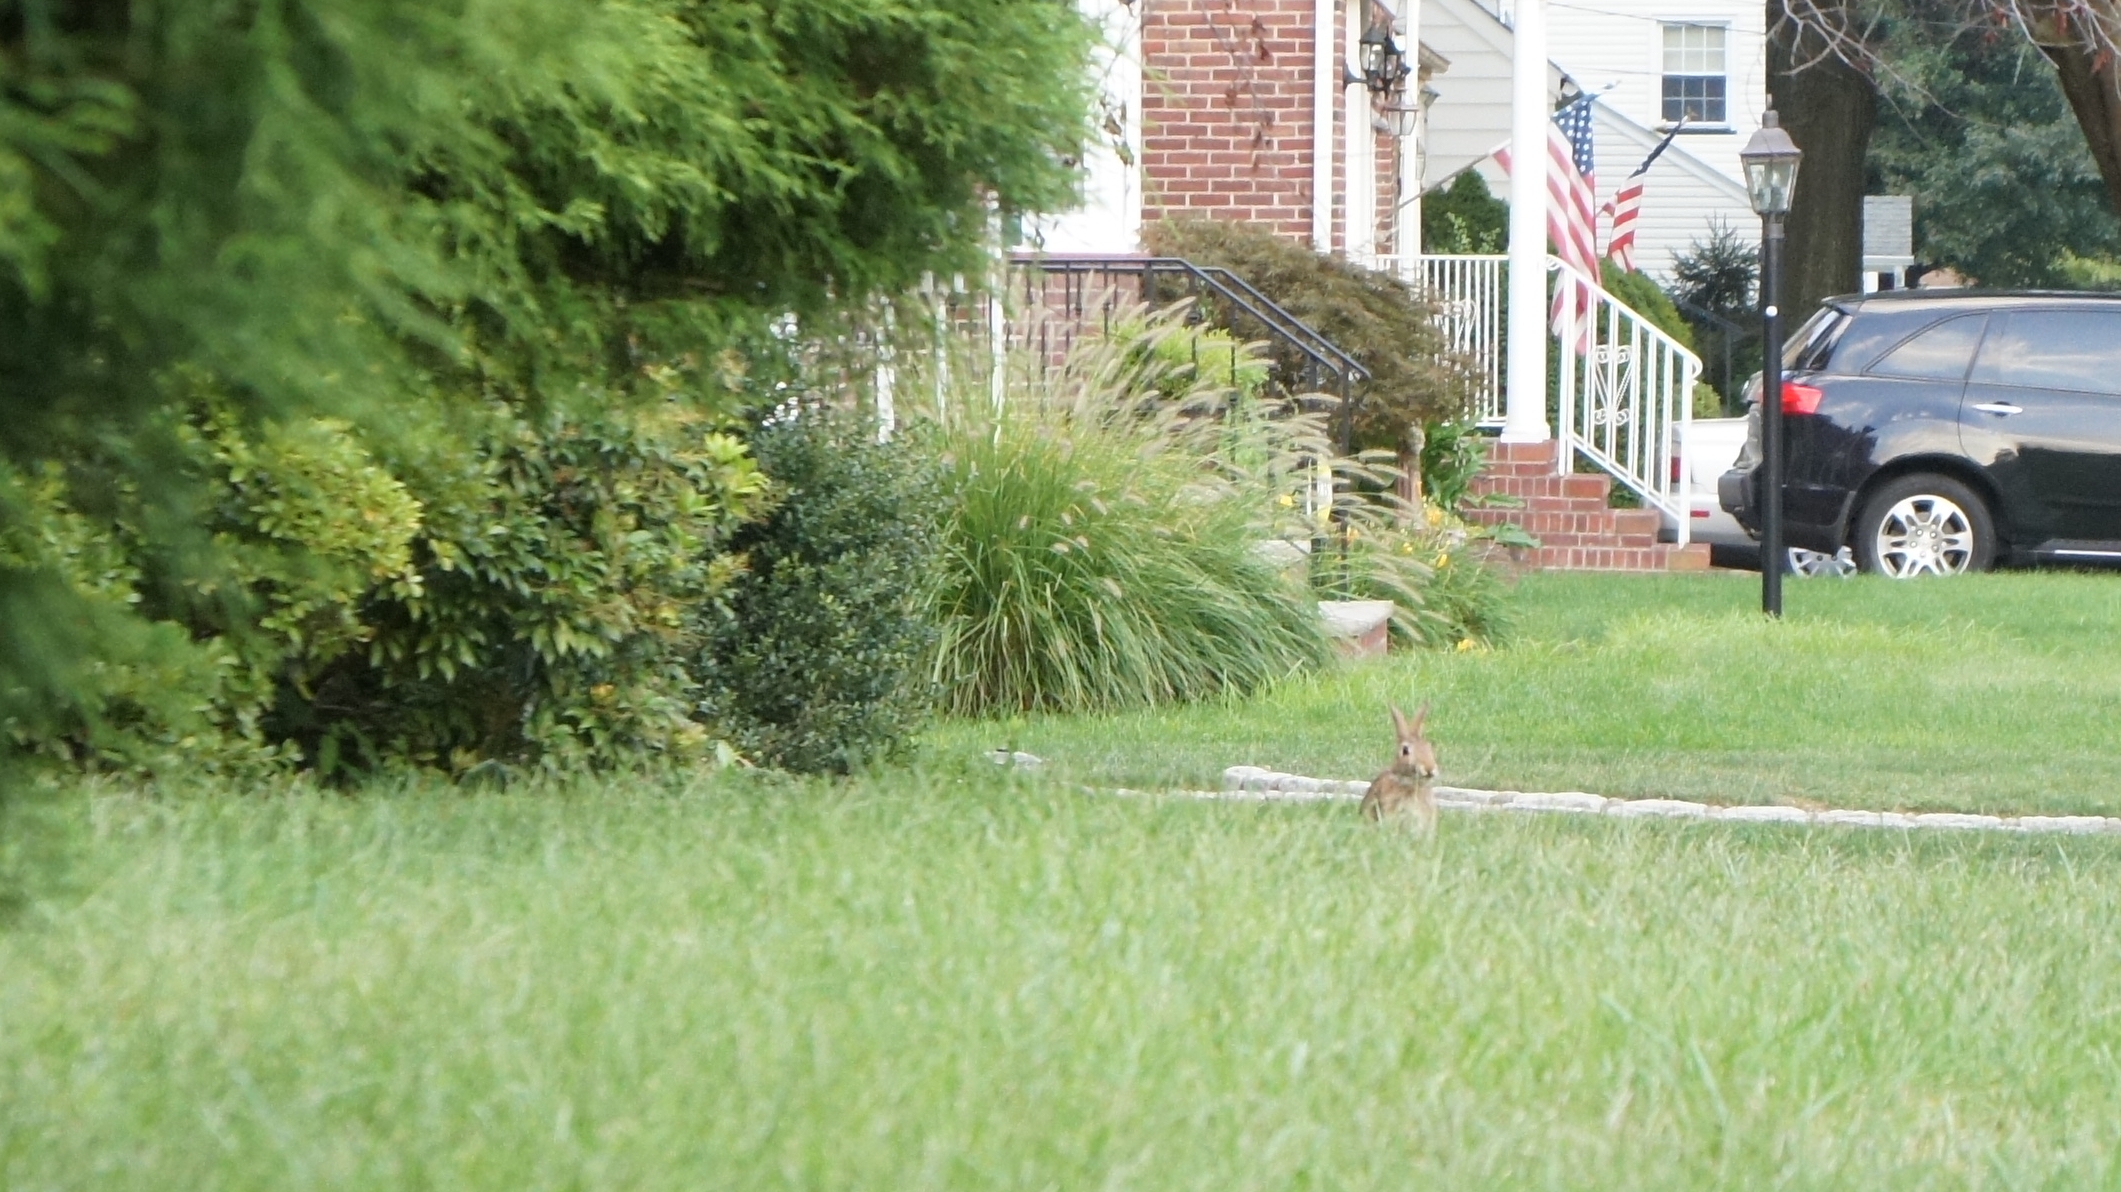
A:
1718, 274
1372, 316
1463, 217
507, 245
560, 565
524, 598
812, 659
1451, 457
1645, 298
1972, 123
1713, 285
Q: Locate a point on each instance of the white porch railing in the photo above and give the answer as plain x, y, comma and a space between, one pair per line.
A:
1618, 400
1468, 293
1625, 394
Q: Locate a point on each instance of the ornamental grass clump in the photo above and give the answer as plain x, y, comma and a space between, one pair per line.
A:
1106, 530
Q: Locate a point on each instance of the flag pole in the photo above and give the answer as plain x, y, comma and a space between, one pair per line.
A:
1525, 377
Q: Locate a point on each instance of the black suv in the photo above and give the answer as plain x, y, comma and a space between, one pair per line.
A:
1939, 432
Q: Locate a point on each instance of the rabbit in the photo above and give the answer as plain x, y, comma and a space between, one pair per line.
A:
1410, 782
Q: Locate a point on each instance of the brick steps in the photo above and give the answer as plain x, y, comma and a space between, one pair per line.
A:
1568, 513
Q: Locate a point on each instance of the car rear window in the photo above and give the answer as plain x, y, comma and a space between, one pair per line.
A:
1879, 328
2053, 349
1807, 350
1939, 353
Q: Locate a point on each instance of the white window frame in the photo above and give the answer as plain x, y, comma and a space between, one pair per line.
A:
1665, 73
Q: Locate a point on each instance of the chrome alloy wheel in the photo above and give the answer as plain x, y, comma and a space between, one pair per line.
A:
1924, 534
1841, 564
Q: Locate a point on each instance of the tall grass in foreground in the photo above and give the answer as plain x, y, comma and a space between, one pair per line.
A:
962, 983
1103, 542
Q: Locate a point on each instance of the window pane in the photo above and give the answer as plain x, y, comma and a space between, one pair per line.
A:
1712, 48
1938, 354
2054, 349
1694, 57
1698, 99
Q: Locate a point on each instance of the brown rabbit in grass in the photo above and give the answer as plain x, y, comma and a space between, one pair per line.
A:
1409, 784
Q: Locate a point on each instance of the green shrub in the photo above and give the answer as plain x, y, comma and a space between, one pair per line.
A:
1648, 299
1102, 545
1464, 217
561, 563
528, 596
1373, 316
1451, 457
1200, 358
812, 660
118, 688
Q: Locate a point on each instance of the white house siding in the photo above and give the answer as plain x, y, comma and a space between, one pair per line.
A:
1470, 117
1619, 44
1617, 51
1683, 198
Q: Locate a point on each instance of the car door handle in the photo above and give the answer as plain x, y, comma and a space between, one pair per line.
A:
1998, 407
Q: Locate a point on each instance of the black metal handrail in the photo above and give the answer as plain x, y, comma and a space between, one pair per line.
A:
1225, 285
1324, 357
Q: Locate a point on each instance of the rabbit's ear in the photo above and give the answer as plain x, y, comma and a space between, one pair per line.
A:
1421, 720
1399, 720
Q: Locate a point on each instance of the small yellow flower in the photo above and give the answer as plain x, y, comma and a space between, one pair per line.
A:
1465, 645
1443, 560
1287, 501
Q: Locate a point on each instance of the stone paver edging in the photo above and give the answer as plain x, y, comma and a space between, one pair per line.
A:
1255, 783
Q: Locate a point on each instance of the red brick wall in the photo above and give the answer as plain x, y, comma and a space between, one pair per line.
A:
1388, 196
1226, 118
1226, 111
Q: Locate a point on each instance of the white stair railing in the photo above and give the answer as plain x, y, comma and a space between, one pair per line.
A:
1625, 394
1623, 389
1467, 289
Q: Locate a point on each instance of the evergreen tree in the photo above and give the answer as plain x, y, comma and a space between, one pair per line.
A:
399, 211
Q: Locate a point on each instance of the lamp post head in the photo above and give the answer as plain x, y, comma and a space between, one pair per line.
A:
1770, 160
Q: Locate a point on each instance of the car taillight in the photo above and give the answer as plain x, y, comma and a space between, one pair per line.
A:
1800, 399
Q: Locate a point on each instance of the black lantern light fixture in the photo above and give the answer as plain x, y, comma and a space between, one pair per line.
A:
1770, 161
1384, 64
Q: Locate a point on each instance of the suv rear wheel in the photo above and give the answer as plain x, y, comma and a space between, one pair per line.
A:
1924, 525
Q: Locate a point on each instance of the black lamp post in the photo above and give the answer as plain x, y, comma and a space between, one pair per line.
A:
1770, 160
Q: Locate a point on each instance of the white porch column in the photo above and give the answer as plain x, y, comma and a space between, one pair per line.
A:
1525, 378
1324, 78
1362, 147
1413, 148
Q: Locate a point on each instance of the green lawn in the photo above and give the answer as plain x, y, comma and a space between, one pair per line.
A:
1997, 693
956, 982
955, 977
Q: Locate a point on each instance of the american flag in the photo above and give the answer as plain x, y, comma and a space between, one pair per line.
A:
1572, 211
1627, 205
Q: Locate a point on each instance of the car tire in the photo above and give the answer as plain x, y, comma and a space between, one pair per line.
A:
1924, 524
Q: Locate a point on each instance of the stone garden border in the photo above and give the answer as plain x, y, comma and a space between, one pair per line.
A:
1254, 783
